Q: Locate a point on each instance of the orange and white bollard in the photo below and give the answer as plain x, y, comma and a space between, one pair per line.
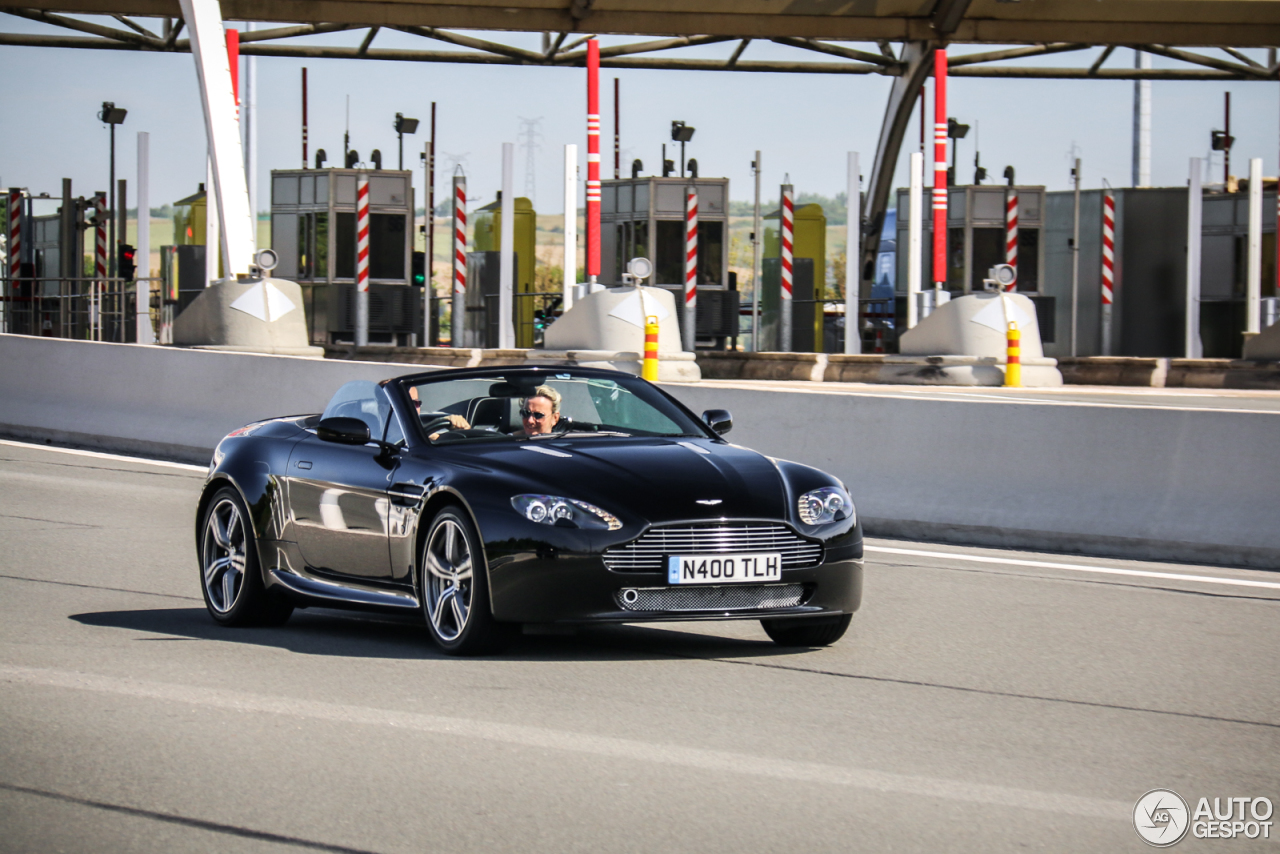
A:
1013, 366
649, 367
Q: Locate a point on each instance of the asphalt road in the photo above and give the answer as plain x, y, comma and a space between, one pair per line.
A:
982, 701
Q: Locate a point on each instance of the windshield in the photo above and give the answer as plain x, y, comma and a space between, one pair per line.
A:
524, 406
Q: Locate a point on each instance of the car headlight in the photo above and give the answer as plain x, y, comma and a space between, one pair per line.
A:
828, 504
553, 510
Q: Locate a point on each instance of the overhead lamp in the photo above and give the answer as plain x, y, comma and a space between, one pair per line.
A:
111, 114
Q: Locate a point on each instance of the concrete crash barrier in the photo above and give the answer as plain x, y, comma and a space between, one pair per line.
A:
1246, 374
160, 401
1142, 482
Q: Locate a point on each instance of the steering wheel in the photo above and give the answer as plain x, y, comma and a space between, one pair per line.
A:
433, 421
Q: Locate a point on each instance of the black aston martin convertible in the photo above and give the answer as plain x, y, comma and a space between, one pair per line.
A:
493, 498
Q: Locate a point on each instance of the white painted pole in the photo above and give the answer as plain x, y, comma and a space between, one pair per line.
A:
213, 68
145, 334
1075, 259
1253, 284
1195, 208
249, 117
1142, 123
212, 234
915, 238
756, 236
506, 250
852, 258
570, 223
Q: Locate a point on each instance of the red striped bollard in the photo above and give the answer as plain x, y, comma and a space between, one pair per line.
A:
649, 367
1013, 357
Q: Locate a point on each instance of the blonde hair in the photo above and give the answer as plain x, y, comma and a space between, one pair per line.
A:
550, 394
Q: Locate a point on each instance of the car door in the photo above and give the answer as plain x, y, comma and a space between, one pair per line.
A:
338, 502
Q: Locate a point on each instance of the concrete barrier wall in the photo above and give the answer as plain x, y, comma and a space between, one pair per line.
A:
157, 400
1196, 485
1193, 485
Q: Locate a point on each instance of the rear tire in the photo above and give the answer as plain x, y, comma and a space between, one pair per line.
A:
230, 576
454, 586
819, 631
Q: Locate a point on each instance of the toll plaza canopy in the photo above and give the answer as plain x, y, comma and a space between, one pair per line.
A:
1236, 23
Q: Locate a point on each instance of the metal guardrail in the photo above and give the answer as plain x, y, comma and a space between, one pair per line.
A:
88, 309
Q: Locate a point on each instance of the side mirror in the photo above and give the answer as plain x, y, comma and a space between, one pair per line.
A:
719, 420
344, 431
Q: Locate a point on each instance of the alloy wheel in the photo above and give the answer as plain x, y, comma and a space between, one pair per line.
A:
224, 555
448, 579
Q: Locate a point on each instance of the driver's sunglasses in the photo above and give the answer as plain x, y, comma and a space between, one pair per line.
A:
529, 413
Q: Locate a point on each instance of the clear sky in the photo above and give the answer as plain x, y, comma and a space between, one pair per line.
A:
803, 124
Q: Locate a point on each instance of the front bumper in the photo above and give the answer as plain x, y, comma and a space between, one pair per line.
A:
569, 588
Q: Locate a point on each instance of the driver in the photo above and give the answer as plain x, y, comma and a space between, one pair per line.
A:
456, 422
539, 412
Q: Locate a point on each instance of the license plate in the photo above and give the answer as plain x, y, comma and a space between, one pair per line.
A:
724, 568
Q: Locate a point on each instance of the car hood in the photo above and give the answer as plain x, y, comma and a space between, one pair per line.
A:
655, 480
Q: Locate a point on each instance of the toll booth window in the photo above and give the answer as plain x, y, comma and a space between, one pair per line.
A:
284, 240
710, 252
1029, 259
988, 250
955, 259
306, 222
623, 253
641, 246
670, 253
320, 246
344, 249
386, 246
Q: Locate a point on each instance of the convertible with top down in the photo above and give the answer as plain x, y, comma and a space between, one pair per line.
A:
422, 494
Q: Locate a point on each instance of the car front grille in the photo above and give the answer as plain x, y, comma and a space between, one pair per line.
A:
648, 553
737, 597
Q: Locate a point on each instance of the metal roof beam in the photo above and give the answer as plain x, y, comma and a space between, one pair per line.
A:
962, 59
835, 50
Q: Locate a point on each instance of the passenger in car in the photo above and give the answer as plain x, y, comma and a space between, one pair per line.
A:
539, 412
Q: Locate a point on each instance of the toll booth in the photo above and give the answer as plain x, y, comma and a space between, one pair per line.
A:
313, 230
1150, 244
808, 280
976, 243
483, 265
645, 217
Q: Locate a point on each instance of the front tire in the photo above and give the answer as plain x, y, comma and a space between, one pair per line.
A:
820, 631
229, 574
453, 585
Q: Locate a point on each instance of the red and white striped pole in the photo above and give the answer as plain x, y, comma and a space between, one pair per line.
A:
1108, 265
691, 269
940, 168
99, 264
362, 259
787, 240
593, 164
15, 254
15, 233
459, 260
1011, 235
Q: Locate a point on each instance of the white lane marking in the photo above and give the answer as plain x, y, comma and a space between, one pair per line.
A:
582, 743
1078, 567
120, 458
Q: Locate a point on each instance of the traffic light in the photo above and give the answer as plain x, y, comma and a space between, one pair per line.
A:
418, 267
126, 262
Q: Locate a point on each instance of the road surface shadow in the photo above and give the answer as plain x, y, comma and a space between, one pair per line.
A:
352, 634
